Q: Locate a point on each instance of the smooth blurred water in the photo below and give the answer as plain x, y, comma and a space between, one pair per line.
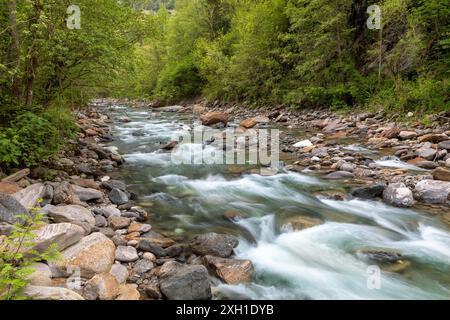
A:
317, 263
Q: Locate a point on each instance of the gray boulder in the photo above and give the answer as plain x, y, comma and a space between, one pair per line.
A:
214, 244
398, 195
118, 197
369, 192
9, 208
433, 191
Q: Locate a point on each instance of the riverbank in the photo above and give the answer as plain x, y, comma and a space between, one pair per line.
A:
105, 235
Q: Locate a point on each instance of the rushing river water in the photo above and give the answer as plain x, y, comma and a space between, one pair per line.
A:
316, 263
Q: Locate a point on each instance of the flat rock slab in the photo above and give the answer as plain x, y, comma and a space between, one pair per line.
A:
87, 194
63, 234
30, 196
71, 214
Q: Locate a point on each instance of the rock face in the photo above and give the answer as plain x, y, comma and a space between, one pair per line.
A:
248, 123
94, 254
441, 174
181, 282
433, 191
231, 271
50, 293
118, 197
398, 195
73, 214
214, 244
212, 118
102, 286
63, 234
29, 196
9, 208
126, 254
370, 192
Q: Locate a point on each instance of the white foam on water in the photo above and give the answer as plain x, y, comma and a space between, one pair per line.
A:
398, 164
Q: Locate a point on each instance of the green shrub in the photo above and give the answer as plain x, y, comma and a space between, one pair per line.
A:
17, 256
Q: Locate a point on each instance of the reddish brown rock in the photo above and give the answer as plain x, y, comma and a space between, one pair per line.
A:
432, 137
86, 183
441, 174
391, 133
248, 123
231, 271
170, 146
9, 188
212, 118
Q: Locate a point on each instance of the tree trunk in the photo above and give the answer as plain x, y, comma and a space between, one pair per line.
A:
15, 47
32, 59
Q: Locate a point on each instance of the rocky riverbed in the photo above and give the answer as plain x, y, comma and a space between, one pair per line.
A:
107, 239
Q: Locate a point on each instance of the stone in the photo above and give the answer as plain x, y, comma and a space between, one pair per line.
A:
427, 164
10, 208
102, 286
9, 188
41, 276
118, 222
126, 254
29, 197
447, 163
369, 192
62, 234
220, 245
66, 162
107, 211
170, 146
149, 246
248, 123
339, 175
298, 223
93, 254
441, 174
73, 214
348, 167
120, 272
406, 135
50, 293
118, 197
398, 195
198, 109
444, 145
391, 133
303, 144
86, 183
64, 194
139, 227
149, 256
114, 184
433, 191
432, 137
212, 118
158, 239
128, 292
142, 266
426, 152
17, 176
152, 290
87, 194
185, 282
231, 271
100, 221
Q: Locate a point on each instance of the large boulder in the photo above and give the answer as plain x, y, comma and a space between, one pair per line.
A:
102, 286
433, 191
212, 118
398, 195
369, 192
50, 293
214, 244
10, 208
231, 271
73, 214
63, 234
29, 197
87, 194
184, 282
94, 254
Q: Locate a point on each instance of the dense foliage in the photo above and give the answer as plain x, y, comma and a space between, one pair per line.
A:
302, 53
18, 256
47, 68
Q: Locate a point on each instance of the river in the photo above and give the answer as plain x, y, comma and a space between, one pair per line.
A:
322, 262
